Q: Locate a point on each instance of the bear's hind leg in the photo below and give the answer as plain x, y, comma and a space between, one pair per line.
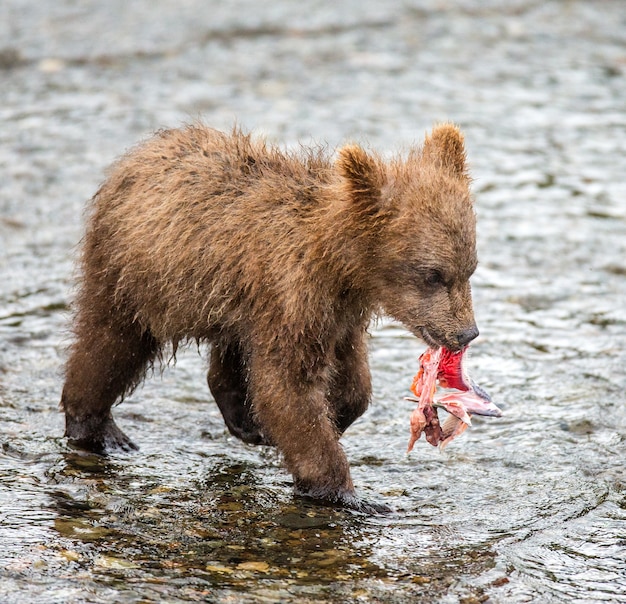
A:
227, 383
106, 362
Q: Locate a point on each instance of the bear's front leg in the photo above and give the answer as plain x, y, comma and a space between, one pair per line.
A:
227, 382
292, 408
351, 388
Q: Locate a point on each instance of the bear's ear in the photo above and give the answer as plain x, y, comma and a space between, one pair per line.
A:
445, 146
363, 175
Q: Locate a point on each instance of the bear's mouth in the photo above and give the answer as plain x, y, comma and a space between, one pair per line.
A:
434, 340
430, 340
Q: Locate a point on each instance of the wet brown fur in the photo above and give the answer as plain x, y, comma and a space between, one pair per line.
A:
279, 260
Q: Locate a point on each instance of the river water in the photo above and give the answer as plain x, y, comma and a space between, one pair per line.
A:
530, 507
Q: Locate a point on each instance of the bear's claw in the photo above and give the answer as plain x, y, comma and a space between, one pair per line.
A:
97, 435
343, 499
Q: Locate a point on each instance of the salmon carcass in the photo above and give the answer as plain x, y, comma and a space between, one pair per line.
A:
444, 367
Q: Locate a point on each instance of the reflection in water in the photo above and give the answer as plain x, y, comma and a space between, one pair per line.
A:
219, 532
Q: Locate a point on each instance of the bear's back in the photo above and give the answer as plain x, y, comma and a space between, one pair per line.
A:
201, 224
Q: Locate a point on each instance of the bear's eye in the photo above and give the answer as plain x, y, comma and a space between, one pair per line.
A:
434, 278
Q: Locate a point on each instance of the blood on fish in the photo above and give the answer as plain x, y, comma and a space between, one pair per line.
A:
440, 365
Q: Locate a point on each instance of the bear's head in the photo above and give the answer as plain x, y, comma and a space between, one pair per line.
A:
417, 232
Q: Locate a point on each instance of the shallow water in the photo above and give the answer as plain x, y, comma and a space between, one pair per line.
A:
530, 507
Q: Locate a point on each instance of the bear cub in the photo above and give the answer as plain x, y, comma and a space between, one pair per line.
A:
278, 260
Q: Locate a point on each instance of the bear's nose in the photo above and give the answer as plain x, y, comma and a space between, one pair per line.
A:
467, 335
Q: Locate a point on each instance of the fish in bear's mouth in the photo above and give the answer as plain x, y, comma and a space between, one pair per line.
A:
443, 366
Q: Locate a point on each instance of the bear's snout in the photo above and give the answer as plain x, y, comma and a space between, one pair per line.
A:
467, 335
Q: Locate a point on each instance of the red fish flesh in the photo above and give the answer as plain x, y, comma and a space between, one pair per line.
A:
445, 367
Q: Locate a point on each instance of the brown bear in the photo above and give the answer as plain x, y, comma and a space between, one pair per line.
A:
279, 260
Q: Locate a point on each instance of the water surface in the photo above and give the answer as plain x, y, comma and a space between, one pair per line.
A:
530, 507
